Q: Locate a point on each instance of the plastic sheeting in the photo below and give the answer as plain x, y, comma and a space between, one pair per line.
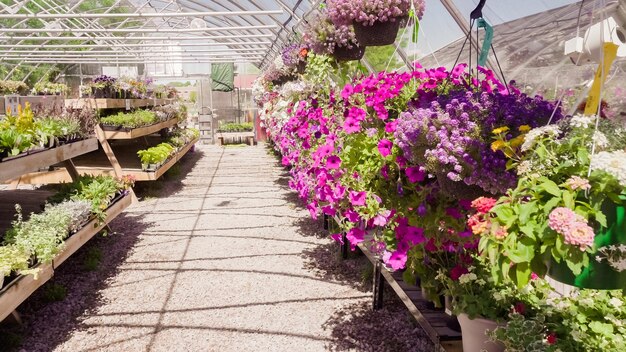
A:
223, 77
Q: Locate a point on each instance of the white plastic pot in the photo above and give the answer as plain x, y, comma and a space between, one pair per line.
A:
475, 337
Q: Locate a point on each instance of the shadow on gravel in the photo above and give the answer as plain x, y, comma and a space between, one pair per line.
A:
48, 323
356, 327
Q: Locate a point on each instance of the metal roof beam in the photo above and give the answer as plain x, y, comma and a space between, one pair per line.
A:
222, 37
139, 14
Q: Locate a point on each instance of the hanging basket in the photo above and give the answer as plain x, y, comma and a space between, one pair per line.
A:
598, 275
343, 53
458, 189
378, 34
301, 67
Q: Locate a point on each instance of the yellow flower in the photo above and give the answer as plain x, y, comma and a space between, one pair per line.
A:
517, 141
497, 145
500, 130
524, 128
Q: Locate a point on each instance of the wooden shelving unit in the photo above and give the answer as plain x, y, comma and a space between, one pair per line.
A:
99, 164
18, 290
14, 168
433, 321
139, 132
117, 155
92, 103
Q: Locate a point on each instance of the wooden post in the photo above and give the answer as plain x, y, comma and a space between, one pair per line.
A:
379, 286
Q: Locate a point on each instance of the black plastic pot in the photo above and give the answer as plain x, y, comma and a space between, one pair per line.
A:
378, 34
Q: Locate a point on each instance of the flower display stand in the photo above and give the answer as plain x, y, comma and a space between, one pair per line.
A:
248, 136
21, 287
433, 321
117, 155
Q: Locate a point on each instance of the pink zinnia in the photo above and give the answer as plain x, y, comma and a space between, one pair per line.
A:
561, 219
580, 234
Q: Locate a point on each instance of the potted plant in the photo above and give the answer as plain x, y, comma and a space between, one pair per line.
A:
566, 214
103, 86
294, 57
324, 37
376, 23
13, 87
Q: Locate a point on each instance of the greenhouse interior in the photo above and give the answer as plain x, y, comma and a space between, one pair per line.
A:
317, 175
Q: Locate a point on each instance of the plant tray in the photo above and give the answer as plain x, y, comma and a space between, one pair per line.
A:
25, 163
19, 289
119, 132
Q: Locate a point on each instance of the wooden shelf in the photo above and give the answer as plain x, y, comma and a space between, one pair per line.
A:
141, 131
22, 287
33, 162
92, 103
431, 320
97, 163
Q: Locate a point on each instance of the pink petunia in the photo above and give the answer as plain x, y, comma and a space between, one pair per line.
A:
355, 236
384, 147
414, 174
351, 125
333, 162
357, 198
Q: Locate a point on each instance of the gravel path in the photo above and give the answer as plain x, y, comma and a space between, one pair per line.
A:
224, 259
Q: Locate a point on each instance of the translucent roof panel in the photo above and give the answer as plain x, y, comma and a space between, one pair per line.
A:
531, 52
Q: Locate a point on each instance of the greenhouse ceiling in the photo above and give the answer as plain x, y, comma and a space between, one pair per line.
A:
145, 31
192, 32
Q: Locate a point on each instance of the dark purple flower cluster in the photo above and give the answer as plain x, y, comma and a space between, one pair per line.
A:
107, 80
451, 134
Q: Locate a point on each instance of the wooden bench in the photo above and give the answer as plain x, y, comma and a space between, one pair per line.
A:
249, 136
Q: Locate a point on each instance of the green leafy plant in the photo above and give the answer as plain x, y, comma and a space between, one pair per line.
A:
54, 292
555, 210
236, 127
134, 119
92, 259
50, 88
156, 155
13, 87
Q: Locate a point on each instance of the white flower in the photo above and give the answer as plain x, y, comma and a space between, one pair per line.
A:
600, 140
587, 302
498, 296
616, 302
481, 282
529, 140
581, 121
524, 167
613, 163
467, 278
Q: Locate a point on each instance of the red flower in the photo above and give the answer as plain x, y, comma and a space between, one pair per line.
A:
551, 338
483, 204
519, 308
457, 271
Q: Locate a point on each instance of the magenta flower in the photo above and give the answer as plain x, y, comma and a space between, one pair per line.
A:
352, 215
337, 237
355, 236
396, 260
384, 147
351, 125
414, 174
333, 162
357, 198
391, 127
414, 235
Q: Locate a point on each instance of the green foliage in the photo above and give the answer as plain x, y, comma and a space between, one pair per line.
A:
54, 292
236, 127
50, 88
559, 156
133, 119
156, 155
13, 87
382, 57
92, 259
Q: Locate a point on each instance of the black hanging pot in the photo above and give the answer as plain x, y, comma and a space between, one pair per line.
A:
343, 53
378, 34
